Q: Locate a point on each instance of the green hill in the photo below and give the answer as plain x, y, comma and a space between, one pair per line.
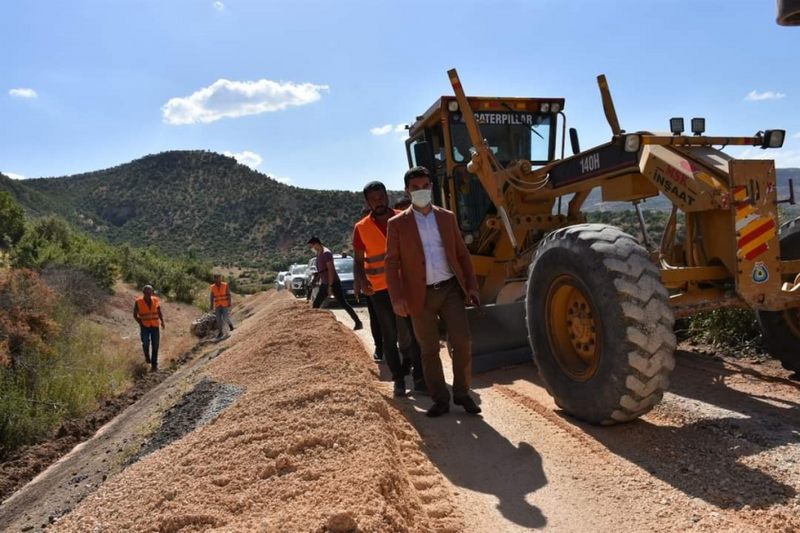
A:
196, 202
208, 205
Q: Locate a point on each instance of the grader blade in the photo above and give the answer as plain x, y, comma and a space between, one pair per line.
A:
499, 336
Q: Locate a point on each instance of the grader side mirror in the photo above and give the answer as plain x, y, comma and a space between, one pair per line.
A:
573, 141
789, 12
423, 156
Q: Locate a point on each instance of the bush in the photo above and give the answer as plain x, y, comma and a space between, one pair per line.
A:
26, 326
50, 389
734, 329
76, 286
51, 243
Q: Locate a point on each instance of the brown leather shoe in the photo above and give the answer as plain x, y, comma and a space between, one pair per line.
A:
438, 409
468, 404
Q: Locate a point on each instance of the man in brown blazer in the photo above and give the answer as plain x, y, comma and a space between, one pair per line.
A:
429, 276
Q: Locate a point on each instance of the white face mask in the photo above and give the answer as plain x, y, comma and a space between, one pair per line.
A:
421, 197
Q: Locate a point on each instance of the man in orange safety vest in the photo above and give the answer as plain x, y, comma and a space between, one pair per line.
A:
147, 312
221, 304
369, 244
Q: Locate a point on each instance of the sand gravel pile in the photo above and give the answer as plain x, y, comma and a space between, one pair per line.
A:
311, 445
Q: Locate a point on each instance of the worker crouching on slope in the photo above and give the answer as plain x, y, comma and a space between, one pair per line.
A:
329, 282
369, 243
221, 303
147, 312
429, 275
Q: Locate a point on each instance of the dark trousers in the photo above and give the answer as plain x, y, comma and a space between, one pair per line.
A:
375, 327
150, 336
446, 302
394, 330
322, 295
409, 349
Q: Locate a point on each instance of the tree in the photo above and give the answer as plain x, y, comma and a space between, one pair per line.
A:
12, 222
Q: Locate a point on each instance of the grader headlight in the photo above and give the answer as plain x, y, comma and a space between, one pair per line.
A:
676, 125
773, 139
698, 125
632, 143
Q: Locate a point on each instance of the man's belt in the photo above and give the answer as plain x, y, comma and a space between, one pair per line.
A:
441, 284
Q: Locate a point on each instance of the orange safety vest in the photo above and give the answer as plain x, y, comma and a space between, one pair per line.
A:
375, 256
220, 295
148, 315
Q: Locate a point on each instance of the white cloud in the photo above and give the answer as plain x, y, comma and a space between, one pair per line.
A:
281, 179
225, 98
23, 92
796, 135
381, 130
14, 176
246, 157
784, 157
755, 96
219, 6
388, 128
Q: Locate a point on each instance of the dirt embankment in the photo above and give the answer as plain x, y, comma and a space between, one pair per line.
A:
122, 337
311, 444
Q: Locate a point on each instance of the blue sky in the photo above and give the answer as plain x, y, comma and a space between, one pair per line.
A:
299, 89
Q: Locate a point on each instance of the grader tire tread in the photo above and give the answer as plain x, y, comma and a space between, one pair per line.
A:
645, 359
778, 338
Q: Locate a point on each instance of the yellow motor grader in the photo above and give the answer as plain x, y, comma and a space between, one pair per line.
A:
594, 304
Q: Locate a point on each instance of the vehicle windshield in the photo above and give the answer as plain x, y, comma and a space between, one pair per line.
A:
299, 270
343, 266
511, 136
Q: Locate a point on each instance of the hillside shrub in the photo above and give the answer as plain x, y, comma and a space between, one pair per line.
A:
52, 243
12, 221
64, 381
26, 326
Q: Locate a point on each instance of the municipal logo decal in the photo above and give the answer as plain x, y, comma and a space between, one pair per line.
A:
760, 272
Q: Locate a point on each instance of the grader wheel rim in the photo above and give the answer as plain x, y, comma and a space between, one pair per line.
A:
573, 332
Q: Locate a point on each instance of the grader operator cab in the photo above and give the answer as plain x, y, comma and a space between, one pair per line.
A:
596, 305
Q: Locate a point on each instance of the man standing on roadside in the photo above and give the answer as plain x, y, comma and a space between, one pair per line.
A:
221, 302
147, 312
329, 282
429, 274
369, 243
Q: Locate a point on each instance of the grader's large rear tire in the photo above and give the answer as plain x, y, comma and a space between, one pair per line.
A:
600, 324
781, 329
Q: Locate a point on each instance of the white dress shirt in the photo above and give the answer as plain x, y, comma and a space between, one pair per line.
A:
436, 266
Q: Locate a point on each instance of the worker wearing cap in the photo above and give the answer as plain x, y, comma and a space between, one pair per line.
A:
221, 302
147, 312
369, 243
429, 275
329, 282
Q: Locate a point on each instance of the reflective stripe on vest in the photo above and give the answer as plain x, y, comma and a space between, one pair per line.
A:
148, 315
375, 255
220, 295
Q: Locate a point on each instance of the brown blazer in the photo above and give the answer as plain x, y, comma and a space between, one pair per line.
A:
405, 257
